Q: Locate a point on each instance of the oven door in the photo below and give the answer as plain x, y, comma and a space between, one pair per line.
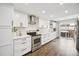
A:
36, 43
37, 40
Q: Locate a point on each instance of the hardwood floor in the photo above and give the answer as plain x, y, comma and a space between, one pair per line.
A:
57, 47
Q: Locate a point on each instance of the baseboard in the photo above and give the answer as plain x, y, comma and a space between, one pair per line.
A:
27, 53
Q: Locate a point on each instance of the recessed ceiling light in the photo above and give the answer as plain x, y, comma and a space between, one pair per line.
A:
43, 11
66, 11
61, 3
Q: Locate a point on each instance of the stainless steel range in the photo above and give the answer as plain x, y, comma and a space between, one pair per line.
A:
36, 40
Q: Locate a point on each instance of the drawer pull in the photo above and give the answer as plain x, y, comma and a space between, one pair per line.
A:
24, 49
23, 42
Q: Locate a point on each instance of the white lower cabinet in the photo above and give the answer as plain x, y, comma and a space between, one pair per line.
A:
48, 37
44, 38
6, 50
22, 46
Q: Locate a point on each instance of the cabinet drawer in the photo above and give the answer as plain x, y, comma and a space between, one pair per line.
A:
17, 53
18, 47
22, 40
22, 46
19, 41
22, 51
18, 50
26, 50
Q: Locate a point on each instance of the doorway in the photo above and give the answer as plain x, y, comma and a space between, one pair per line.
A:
68, 29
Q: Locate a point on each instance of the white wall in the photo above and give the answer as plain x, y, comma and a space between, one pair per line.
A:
43, 23
71, 20
5, 15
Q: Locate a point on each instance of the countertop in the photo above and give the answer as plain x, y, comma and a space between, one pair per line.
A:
21, 36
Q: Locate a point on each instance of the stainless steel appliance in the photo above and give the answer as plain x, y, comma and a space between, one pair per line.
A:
36, 40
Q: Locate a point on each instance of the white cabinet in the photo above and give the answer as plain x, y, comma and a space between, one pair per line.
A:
44, 38
22, 46
48, 37
25, 21
20, 19
16, 19
6, 50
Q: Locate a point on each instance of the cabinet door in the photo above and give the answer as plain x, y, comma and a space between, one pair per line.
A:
16, 20
24, 19
26, 50
44, 39
20, 19
6, 50
5, 36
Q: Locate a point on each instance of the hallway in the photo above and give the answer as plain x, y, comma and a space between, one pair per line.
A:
57, 47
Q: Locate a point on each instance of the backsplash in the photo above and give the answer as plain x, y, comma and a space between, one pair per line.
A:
19, 31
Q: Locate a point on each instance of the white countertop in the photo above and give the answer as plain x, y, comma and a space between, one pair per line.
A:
50, 32
21, 36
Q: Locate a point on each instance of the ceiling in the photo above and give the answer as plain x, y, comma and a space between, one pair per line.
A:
49, 11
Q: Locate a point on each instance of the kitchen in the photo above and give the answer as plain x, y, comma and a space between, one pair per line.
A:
24, 32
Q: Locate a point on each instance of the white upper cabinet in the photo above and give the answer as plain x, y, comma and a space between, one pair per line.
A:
16, 19
5, 15
20, 19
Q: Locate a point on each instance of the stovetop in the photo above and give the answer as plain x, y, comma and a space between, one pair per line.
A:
33, 34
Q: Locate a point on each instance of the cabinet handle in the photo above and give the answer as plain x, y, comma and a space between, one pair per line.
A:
23, 42
23, 49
